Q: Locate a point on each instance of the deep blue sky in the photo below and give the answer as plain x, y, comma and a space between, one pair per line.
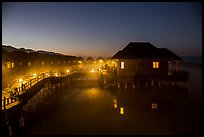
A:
101, 29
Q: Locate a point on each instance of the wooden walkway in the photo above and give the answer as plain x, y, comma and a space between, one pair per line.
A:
12, 95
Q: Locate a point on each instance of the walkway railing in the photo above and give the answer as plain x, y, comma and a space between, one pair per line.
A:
16, 91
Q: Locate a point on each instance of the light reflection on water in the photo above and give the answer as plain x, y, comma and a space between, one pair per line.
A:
140, 111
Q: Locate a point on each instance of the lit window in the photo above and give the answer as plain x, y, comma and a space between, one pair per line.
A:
154, 105
122, 65
155, 64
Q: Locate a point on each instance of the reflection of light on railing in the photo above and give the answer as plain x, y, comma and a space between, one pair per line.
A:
154, 105
121, 110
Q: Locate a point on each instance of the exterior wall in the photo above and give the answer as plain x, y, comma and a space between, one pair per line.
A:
141, 66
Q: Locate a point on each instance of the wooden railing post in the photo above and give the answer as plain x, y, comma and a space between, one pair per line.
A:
7, 101
4, 103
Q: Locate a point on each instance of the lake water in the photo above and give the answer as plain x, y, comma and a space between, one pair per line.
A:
146, 112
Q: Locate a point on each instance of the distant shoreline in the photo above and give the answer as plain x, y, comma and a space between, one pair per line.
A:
192, 61
192, 64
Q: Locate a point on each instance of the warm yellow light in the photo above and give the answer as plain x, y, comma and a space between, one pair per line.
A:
122, 65
20, 80
100, 60
56, 75
113, 62
8, 65
154, 105
67, 71
92, 70
80, 61
12, 65
114, 101
46, 74
34, 75
100, 69
115, 106
94, 61
121, 111
108, 62
155, 64
92, 93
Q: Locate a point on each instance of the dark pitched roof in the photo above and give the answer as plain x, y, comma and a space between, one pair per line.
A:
117, 54
100, 58
136, 50
166, 53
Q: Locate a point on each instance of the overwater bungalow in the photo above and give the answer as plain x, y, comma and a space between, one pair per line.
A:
142, 60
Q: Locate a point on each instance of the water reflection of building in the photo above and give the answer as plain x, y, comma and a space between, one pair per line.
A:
141, 61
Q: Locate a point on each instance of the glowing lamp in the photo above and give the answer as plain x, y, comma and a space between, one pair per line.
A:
93, 70
20, 80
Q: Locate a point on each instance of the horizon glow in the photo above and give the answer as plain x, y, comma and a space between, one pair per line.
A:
101, 29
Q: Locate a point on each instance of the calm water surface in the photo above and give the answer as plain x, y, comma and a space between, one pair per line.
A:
92, 111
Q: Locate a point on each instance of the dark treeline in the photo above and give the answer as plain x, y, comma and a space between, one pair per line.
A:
22, 56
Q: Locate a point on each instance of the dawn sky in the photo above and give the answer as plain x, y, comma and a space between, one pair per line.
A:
101, 29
